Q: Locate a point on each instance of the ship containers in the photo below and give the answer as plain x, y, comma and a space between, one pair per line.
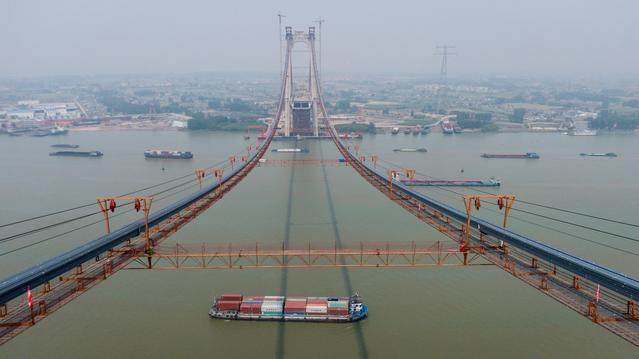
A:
295, 305
272, 306
232, 297
273, 298
316, 306
337, 307
228, 305
251, 305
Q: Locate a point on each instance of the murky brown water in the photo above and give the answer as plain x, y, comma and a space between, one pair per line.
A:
428, 312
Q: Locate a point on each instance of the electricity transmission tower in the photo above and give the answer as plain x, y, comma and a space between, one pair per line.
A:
442, 89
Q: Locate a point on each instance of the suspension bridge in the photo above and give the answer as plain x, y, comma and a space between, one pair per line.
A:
605, 297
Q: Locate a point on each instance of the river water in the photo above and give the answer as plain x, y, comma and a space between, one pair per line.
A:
415, 312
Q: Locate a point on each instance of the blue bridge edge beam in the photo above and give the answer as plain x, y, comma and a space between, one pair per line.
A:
606, 277
16, 285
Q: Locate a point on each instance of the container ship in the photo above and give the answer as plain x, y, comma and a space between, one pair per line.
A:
351, 136
182, 155
453, 183
300, 309
77, 153
447, 127
528, 155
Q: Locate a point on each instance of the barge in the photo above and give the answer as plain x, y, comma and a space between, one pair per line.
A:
290, 150
410, 150
181, 155
77, 153
593, 154
294, 309
453, 183
528, 155
65, 145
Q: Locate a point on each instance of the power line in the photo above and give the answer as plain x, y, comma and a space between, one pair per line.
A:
537, 214
29, 232
548, 227
83, 227
538, 204
93, 203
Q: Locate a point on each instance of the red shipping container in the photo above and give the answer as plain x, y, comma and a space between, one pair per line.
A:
234, 297
316, 302
245, 308
295, 304
337, 311
223, 305
251, 308
256, 308
295, 307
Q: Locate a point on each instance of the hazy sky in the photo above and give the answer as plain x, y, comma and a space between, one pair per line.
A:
537, 37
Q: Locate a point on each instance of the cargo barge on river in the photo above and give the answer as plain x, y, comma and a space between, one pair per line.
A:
527, 155
77, 153
453, 183
596, 154
294, 309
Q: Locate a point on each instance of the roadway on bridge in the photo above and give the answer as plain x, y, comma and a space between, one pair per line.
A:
413, 311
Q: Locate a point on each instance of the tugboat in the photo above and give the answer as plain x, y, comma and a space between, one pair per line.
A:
182, 155
279, 308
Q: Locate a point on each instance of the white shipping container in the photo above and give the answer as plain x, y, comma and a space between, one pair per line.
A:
319, 310
273, 297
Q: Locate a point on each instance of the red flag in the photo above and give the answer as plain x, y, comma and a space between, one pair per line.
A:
597, 294
29, 297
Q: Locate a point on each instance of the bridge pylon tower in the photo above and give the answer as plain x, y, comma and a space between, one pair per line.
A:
301, 112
